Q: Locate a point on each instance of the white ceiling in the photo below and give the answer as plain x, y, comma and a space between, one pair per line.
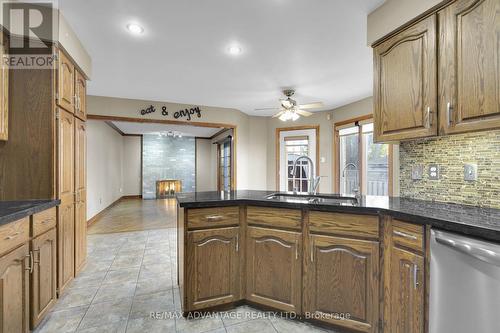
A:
152, 128
317, 47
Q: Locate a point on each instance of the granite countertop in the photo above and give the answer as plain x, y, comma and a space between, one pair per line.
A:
11, 211
469, 220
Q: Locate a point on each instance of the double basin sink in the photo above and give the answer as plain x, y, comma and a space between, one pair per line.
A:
313, 199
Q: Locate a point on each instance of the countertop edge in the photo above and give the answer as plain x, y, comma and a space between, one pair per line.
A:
38, 206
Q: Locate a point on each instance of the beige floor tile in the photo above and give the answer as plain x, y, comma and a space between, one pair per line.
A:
122, 276
112, 292
62, 321
198, 325
148, 325
252, 326
106, 313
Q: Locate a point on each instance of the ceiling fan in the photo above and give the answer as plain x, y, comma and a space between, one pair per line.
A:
290, 110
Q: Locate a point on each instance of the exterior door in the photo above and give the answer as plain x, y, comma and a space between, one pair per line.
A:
81, 195
405, 86
44, 277
214, 268
14, 291
342, 282
81, 94
274, 268
405, 306
469, 68
66, 225
66, 83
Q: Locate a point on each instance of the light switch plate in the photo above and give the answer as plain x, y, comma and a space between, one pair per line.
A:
417, 172
470, 172
433, 172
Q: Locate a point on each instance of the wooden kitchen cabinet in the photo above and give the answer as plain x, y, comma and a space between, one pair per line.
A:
274, 268
66, 223
14, 292
469, 95
65, 83
4, 89
213, 267
404, 279
81, 96
44, 276
342, 278
405, 84
81, 194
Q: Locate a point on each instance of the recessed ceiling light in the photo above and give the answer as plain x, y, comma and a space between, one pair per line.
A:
135, 28
234, 50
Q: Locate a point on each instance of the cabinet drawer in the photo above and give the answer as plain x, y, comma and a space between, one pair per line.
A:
213, 217
344, 224
275, 217
43, 221
14, 234
408, 235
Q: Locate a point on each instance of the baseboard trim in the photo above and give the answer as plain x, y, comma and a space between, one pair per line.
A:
132, 196
101, 213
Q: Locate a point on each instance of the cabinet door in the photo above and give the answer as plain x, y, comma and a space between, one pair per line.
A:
66, 179
44, 277
404, 304
4, 90
213, 268
405, 86
14, 291
66, 83
81, 195
469, 68
342, 282
274, 268
81, 96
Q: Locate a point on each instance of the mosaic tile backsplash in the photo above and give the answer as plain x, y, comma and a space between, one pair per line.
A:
167, 158
451, 153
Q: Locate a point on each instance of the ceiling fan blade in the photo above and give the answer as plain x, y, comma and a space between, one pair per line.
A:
311, 105
303, 113
267, 109
278, 114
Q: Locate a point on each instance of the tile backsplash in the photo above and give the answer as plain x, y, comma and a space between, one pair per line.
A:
451, 153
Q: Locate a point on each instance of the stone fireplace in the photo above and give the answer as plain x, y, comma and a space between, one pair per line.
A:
167, 188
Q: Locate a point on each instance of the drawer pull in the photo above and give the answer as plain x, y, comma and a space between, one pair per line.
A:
14, 235
46, 221
213, 218
404, 234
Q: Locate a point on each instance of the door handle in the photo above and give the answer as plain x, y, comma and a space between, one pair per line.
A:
429, 117
296, 249
312, 249
237, 243
449, 113
32, 262
415, 276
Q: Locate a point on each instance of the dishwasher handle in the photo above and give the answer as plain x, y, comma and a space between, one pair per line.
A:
489, 253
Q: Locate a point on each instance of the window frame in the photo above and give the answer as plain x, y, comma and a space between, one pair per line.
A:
220, 145
336, 154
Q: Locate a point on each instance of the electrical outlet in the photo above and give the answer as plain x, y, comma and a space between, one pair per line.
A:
434, 172
470, 172
417, 172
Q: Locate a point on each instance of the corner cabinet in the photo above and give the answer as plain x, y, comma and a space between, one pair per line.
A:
405, 81
469, 58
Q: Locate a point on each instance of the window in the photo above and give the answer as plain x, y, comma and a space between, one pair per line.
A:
361, 163
294, 143
224, 153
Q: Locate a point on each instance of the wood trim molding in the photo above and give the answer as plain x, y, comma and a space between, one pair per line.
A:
277, 143
352, 120
113, 126
159, 121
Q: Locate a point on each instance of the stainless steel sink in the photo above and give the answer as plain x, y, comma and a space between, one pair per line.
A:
313, 199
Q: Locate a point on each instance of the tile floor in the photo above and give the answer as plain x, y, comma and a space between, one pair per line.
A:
131, 275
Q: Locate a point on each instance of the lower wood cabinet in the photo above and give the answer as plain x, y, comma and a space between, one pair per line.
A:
342, 282
44, 276
213, 267
14, 290
274, 268
66, 245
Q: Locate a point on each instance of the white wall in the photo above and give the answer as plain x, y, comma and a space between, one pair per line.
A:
104, 166
132, 165
206, 175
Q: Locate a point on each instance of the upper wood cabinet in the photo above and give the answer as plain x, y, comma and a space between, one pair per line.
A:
342, 278
213, 267
469, 71
66, 83
14, 291
405, 85
4, 90
81, 96
274, 268
81, 194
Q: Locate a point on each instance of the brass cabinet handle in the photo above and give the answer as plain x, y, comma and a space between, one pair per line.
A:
32, 263
312, 250
35, 260
415, 276
296, 249
404, 234
213, 218
449, 113
14, 235
429, 117
237, 243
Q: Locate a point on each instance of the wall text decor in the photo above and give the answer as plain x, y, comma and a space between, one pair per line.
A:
188, 113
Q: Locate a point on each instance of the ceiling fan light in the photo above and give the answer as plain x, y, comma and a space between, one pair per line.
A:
283, 117
294, 116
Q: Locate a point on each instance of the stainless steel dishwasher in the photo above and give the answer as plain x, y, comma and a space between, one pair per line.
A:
465, 284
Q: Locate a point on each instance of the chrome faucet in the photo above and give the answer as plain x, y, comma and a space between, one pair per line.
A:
356, 190
313, 182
